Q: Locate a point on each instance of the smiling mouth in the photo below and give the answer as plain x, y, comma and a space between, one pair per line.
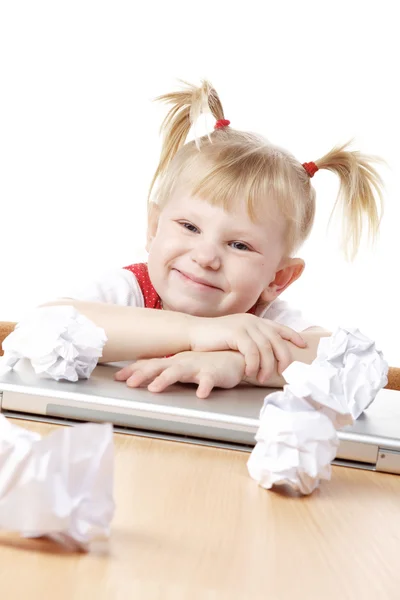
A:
197, 283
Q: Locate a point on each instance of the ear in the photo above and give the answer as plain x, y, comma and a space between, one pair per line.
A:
291, 270
153, 215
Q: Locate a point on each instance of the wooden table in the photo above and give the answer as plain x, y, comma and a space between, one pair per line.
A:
190, 523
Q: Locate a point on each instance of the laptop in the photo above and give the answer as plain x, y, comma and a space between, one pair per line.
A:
227, 419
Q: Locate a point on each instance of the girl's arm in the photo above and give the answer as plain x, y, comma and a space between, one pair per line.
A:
224, 369
133, 332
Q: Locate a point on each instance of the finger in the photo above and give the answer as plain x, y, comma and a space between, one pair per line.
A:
138, 378
146, 372
168, 377
281, 352
124, 373
291, 335
247, 346
268, 359
206, 384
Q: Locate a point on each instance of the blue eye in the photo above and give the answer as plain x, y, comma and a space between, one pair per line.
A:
192, 228
244, 247
188, 225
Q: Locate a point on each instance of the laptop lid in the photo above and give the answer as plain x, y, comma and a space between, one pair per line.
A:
229, 418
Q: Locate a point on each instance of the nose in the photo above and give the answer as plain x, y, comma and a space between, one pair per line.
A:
206, 255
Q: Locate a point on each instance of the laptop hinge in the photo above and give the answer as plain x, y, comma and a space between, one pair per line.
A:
171, 437
388, 461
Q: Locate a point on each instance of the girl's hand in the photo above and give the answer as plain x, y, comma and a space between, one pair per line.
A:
260, 341
207, 369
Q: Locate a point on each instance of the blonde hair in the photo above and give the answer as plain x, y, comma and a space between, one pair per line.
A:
227, 166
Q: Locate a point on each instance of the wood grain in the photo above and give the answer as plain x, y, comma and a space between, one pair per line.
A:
190, 523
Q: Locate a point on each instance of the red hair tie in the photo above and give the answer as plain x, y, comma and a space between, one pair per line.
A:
221, 123
311, 168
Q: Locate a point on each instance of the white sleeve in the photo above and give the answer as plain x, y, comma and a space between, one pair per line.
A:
117, 286
281, 312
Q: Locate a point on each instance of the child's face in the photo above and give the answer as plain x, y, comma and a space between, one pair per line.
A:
237, 258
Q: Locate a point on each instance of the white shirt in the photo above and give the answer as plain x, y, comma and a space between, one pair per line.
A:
121, 287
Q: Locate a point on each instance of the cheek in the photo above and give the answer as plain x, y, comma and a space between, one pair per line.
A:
170, 241
164, 248
249, 284
249, 271
245, 279
251, 279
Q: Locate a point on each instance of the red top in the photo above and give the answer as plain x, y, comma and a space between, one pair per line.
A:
141, 272
151, 298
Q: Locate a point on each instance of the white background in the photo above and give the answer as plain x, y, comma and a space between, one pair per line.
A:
79, 133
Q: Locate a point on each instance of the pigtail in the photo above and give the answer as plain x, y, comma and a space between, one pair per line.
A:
360, 194
187, 106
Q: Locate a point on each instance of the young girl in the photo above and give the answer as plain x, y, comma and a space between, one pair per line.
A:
228, 214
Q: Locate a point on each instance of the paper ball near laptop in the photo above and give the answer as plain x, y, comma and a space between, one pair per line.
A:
297, 439
59, 341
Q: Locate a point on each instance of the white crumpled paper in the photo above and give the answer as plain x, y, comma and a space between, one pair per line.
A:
297, 439
60, 486
60, 343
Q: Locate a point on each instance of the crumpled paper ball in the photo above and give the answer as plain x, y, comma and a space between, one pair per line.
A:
60, 343
296, 447
59, 486
297, 439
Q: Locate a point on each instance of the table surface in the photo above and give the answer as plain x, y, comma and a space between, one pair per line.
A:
191, 523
